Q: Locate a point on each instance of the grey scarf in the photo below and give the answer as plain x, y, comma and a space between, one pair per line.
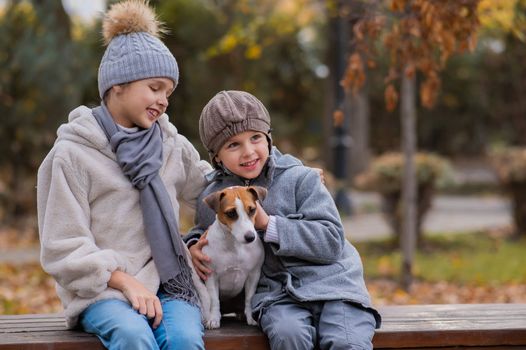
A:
139, 155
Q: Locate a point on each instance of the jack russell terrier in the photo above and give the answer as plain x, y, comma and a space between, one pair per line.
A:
235, 250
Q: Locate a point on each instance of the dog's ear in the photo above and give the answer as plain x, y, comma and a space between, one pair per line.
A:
213, 200
258, 192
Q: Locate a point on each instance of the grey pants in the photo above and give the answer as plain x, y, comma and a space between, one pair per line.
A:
323, 325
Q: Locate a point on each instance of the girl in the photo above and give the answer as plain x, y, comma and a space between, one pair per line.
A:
107, 198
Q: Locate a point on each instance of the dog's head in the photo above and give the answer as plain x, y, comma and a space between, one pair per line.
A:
236, 209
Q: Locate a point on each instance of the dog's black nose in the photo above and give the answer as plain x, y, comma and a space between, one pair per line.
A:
250, 236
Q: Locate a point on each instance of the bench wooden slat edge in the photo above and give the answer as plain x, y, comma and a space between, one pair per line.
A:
452, 338
404, 327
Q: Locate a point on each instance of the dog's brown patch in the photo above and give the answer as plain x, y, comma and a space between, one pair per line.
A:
224, 202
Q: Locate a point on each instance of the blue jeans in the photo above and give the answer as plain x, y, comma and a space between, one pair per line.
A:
119, 326
334, 325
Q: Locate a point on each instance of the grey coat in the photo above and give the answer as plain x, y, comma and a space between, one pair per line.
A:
313, 261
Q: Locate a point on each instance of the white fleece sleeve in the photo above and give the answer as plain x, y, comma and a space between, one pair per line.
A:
68, 250
195, 170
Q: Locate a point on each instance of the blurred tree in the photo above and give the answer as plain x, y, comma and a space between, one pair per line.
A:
271, 48
505, 28
420, 36
40, 80
479, 92
510, 166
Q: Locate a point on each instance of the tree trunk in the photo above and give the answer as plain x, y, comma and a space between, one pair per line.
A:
518, 199
409, 182
359, 129
392, 206
359, 155
340, 140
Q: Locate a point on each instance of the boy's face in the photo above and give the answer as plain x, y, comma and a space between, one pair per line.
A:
140, 103
245, 154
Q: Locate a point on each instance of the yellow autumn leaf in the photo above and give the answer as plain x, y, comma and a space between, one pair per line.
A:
497, 14
253, 52
27, 10
228, 43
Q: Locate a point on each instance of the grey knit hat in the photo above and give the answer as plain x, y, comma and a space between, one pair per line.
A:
229, 113
134, 51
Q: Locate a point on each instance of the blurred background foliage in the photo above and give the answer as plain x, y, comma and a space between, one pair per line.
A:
479, 104
283, 51
277, 49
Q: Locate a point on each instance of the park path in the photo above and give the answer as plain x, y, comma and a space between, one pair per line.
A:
449, 213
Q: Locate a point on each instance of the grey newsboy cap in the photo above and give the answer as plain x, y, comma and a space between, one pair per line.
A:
229, 113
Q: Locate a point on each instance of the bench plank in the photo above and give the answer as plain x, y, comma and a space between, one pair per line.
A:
478, 326
39, 332
452, 325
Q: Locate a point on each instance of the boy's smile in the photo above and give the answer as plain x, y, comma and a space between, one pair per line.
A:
245, 154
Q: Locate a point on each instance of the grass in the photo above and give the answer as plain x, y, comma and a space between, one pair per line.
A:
476, 258
476, 267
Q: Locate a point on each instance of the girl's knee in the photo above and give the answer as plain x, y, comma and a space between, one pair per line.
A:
133, 335
118, 325
181, 327
190, 340
134, 330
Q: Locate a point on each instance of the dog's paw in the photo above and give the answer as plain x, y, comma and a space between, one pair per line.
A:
212, 323
250, 320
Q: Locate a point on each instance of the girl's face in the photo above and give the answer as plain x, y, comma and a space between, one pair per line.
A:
245, 154
140, 103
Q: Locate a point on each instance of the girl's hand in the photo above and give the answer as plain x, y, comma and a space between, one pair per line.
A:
261, 218
199, 259
141, 299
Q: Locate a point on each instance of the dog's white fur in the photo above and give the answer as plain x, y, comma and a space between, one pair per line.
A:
235, 250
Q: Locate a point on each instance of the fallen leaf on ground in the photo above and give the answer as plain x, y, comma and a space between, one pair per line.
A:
26, 288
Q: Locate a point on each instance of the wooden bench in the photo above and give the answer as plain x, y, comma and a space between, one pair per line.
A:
475, 326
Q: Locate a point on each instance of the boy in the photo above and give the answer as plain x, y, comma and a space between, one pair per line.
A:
311, 292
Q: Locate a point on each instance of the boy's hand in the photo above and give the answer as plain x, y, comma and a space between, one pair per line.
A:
261, 218
199, 259
141, 299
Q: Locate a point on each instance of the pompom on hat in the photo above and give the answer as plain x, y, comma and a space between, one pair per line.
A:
134, 51
229, 113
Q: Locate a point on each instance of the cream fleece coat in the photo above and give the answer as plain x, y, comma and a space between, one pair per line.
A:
89, 217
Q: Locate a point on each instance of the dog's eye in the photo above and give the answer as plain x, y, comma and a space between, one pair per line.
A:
232, 214
251, 211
